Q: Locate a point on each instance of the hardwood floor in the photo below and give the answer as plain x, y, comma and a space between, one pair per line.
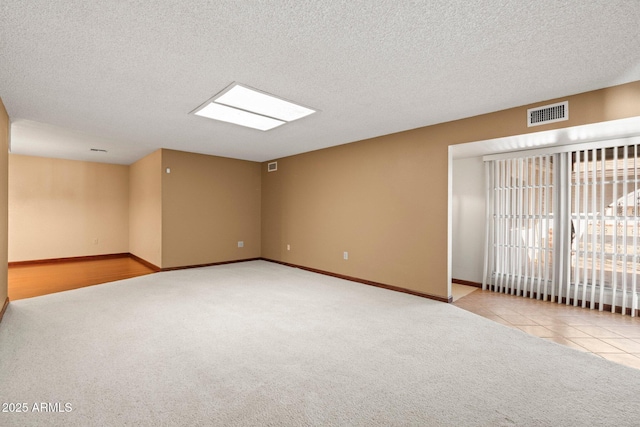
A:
26, 281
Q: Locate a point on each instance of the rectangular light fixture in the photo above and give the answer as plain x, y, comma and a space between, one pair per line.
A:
245, 106
261, 103
238, 117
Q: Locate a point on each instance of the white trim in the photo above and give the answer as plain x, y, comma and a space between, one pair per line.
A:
605, 143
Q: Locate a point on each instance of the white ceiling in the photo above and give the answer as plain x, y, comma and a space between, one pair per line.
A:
123, 76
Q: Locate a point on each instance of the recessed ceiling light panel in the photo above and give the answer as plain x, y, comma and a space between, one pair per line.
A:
248, 107
259, 102
238, 117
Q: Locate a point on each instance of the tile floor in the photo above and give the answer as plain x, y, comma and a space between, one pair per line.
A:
612, 336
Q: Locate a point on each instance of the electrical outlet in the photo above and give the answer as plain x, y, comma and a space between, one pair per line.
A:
95, 241
288, 247
240, 244
346, 255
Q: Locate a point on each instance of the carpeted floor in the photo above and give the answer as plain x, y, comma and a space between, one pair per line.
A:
263, 344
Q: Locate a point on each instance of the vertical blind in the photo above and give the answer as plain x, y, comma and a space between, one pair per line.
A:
563, 226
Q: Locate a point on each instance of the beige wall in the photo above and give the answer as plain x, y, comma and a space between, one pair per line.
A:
195, 215
4, 189
385, 199
145, 208
208, 205
66, 208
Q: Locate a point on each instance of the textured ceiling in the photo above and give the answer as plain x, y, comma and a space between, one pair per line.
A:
125, 75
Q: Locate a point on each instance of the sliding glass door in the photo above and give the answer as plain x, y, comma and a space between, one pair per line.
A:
564, 225
522, 227
605, 210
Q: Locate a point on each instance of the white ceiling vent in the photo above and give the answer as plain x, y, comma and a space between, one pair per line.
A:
271, 167
548, 114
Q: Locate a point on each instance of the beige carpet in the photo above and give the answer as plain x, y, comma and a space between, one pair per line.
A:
257, 343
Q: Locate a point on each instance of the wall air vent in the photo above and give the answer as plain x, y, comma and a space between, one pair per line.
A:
272, 167
548, 114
